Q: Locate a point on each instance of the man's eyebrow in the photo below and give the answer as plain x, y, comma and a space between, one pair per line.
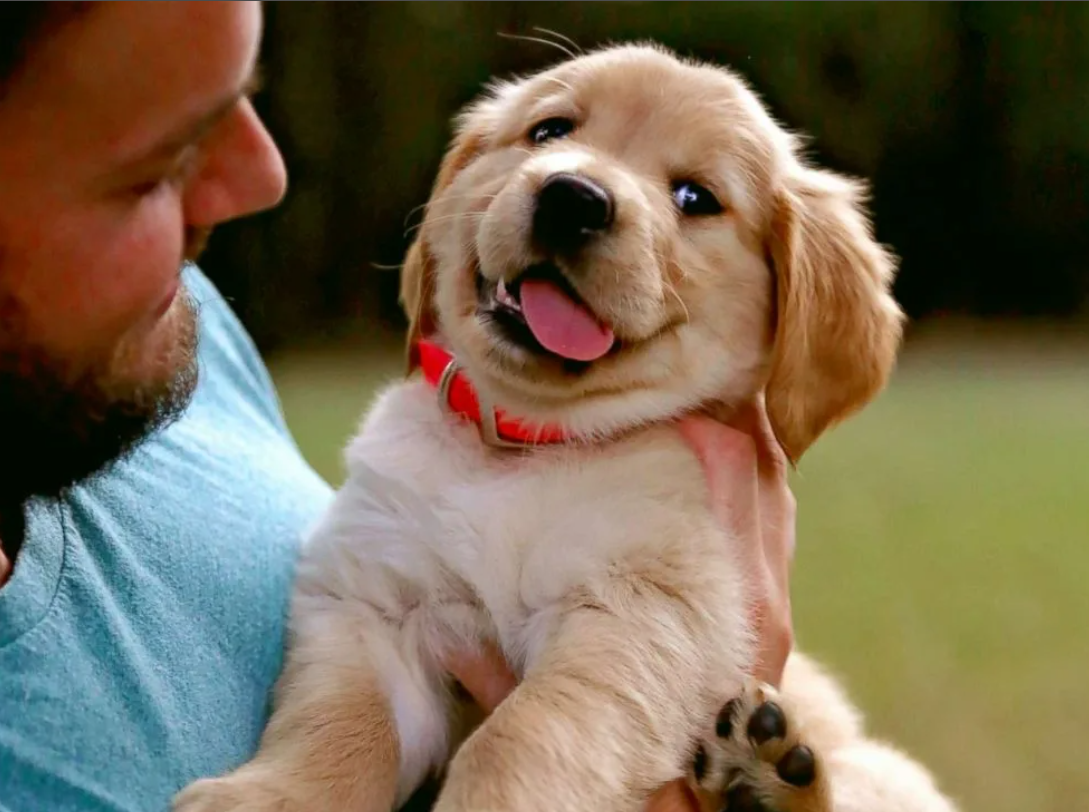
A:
195, 129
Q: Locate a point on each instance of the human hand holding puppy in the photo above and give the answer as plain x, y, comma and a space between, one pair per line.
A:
746, 473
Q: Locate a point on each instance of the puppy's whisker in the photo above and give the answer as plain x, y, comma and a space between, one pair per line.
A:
463, 215
672, 291
549, 32
415, 209
557, 81
469, 215
412, 211
413, 229
540, 40
470, 195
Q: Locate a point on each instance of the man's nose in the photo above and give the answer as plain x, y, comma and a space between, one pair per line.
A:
243, 173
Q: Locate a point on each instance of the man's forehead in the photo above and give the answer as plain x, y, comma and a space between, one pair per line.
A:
122, 78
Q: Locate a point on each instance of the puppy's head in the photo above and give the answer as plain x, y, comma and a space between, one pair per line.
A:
627, 236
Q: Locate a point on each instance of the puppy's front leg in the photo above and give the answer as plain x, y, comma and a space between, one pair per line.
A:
332, 743
606, 716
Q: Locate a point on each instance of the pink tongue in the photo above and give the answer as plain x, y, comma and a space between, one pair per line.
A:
562, 325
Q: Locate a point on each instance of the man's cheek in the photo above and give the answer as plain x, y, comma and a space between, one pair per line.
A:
105, 286
144, 257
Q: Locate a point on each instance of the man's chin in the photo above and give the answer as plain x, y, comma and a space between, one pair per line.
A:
61, 429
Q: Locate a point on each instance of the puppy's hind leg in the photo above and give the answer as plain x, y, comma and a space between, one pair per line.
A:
864, 775
332, 743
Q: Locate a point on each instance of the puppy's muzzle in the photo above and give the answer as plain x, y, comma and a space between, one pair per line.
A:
570, 211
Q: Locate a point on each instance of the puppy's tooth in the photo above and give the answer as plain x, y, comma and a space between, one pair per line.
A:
504, 297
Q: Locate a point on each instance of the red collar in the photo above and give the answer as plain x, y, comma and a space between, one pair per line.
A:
458, 395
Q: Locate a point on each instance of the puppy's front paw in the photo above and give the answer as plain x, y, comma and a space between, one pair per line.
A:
756, 761
238, 792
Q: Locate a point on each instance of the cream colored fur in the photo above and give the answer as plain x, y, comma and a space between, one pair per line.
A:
598, 569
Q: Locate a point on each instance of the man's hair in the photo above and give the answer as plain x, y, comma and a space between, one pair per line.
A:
24, 24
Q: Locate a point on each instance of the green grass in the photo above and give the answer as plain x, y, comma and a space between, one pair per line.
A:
943, 556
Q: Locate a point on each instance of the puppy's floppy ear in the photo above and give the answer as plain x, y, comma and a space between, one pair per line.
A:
838, 328
417, 292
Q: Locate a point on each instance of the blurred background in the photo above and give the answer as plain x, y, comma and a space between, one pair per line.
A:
944, 534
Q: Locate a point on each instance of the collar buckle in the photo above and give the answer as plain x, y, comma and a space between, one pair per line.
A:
489, 425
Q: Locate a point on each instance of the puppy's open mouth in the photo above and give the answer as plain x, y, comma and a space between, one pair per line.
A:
540, 311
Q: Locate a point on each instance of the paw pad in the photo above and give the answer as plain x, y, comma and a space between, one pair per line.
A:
798, 767
699, 763
755, 760
724, 725
767, 722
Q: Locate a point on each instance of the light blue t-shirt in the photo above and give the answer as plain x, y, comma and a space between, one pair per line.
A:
143, 626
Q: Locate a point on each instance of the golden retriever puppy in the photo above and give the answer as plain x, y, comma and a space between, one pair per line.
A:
610, 244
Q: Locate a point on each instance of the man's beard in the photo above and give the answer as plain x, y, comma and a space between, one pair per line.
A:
61, 424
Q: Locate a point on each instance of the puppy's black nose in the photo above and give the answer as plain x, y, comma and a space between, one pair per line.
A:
570, 210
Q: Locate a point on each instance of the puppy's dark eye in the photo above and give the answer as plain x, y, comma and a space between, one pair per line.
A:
693, 199
549, 129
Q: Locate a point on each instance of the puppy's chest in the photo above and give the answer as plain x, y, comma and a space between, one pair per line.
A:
524, 530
